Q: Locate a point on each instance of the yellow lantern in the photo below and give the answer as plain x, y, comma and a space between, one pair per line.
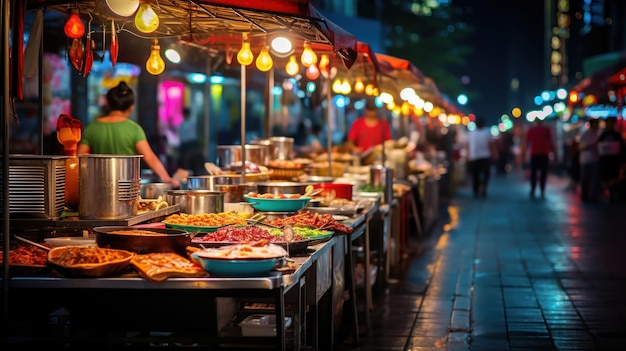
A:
245, 56
359, 87
264, 61
155, 64
337, 86
308, 56
292, 68
146, 20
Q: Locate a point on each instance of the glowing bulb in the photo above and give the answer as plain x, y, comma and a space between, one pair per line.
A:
308, 56
359, 87
337, 86
346, 88
244, 56
264, 61
324, 61
74, 27
146, 20
292, 68
312, 72
281, 46
155, 64
369, 89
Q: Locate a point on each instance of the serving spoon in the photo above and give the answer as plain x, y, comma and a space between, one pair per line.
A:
33, 243
288, 236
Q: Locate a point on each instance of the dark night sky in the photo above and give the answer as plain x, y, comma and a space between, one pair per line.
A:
508, 43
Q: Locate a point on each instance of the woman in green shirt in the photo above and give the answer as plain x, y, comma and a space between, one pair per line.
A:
116, 134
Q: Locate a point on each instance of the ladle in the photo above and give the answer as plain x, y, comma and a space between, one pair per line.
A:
310, 191
32, 243
288, 236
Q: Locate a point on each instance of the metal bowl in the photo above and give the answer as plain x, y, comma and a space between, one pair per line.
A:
163, 240
282, 188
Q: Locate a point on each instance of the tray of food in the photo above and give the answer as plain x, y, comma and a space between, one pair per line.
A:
205, 222
83, 261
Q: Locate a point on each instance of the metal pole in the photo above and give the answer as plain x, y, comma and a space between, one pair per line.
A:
243, 124
269, 105
329, 135
207, 109
6, 113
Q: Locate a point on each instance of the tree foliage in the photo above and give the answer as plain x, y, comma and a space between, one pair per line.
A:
432, 41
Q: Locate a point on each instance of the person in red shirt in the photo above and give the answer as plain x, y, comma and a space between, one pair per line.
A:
368, 130
538, 140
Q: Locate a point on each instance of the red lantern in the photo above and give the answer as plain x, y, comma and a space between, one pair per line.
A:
74, 27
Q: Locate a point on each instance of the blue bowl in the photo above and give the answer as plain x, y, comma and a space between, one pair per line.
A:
236, 268
277, 205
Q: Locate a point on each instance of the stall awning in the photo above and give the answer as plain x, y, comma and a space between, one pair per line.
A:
209, 22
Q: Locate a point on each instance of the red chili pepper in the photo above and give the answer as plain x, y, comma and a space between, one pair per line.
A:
88, 57
77, 52
114, 44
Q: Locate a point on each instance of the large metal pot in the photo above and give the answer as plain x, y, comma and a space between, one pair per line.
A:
163, 240
211, 182
228, 155
282, 187
109, 185
233, 192
283, 148
205, 201
154, 190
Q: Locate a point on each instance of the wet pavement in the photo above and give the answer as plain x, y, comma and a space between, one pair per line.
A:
509, 272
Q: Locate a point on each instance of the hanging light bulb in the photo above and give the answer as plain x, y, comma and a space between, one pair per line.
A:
324, 61
74, 27
292, 68
369, 89
146, 20
264, 61
155, 64
308, 56
244, 56
346, 88
359, 87
312, 72
337, 86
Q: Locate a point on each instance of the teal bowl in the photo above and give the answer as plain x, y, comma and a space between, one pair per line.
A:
277, 205
236, 268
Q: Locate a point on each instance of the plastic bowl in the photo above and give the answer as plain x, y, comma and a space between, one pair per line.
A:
277, 205
236, 268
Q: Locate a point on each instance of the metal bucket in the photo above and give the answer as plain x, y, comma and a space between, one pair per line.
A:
211, 182
154, 190
383, 176
109, 185
204, 201
228, 155
283, 148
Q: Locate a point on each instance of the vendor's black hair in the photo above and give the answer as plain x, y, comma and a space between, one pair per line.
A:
121, 97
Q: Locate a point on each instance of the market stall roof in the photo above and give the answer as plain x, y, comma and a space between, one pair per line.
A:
222, 22
408, 75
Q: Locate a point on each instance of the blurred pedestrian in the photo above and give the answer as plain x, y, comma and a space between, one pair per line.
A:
368, 130
481, 149
539, 143
611, 154
590, 162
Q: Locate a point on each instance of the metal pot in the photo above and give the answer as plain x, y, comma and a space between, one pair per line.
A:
205, 201
176, 197
174, 240
282, 187
211, 182
231, 154
154, 190
234, 192
109, 185
383, 176
283, 148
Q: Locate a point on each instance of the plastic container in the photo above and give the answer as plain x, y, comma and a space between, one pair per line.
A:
261, 325
342, 191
